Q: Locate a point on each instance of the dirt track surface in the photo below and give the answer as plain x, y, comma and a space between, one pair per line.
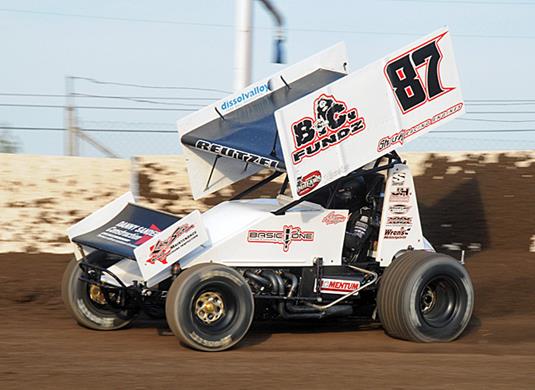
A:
41, 347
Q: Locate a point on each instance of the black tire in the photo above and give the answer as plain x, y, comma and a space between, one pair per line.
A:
86, 312
425, 297
232, 310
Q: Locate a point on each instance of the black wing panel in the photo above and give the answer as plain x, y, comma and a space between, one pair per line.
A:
250, 133
127, 230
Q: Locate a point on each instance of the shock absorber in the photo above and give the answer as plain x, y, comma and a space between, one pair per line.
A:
358, 233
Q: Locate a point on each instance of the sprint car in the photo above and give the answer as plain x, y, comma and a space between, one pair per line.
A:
341, 238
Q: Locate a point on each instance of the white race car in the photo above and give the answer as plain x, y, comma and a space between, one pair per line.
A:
342, 238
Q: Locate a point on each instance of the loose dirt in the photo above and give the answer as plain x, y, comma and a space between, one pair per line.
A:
42, 347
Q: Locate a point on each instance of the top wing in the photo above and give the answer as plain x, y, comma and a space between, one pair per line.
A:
237, 136
250, 134
354, 120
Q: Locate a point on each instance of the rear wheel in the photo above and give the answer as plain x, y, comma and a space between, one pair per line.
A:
209, 307
426, 297
87, 303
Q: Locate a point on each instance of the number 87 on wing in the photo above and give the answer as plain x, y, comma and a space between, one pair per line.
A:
415, 75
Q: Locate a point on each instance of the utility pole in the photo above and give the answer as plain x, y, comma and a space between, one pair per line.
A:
71, 138
244, 46
73, 134
244, 38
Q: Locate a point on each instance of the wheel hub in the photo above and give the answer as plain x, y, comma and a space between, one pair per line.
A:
96, 294
429, 298
209, 307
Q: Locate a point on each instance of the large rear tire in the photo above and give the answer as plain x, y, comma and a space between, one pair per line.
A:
425, 297
209, 307
86, 303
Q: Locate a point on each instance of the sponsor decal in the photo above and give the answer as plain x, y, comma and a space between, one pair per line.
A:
399, 220
403, 134
400, 194
308, 182
333, 122
209, 343
333, 218
163, 248
244, 96
148, 234
284, 237
397, 233
398, 178
237, 154
103, 321
129, 234
399, 209
338, 286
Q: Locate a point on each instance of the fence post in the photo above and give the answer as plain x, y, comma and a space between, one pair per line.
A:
134, 177
71, 139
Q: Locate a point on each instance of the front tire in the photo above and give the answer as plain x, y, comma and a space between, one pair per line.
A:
425, 297
209, 307
86, 303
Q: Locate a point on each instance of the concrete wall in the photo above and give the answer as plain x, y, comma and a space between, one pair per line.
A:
467, 200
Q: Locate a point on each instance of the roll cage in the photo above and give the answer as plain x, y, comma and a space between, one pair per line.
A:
393, 158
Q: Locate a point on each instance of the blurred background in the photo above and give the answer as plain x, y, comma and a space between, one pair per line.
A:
122, 72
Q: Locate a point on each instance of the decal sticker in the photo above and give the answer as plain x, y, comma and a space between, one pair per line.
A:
400, 194
333, 218
404, 75
148, 234
284, 237
244, 96
397, 233
338, 286
398, 178
399, 209
129, 234
399, 220
221, 150
403, 134
162, 249
308, 182
333, 123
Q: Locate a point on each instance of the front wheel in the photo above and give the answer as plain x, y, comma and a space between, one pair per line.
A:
426, 297
209, 307
87, 303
